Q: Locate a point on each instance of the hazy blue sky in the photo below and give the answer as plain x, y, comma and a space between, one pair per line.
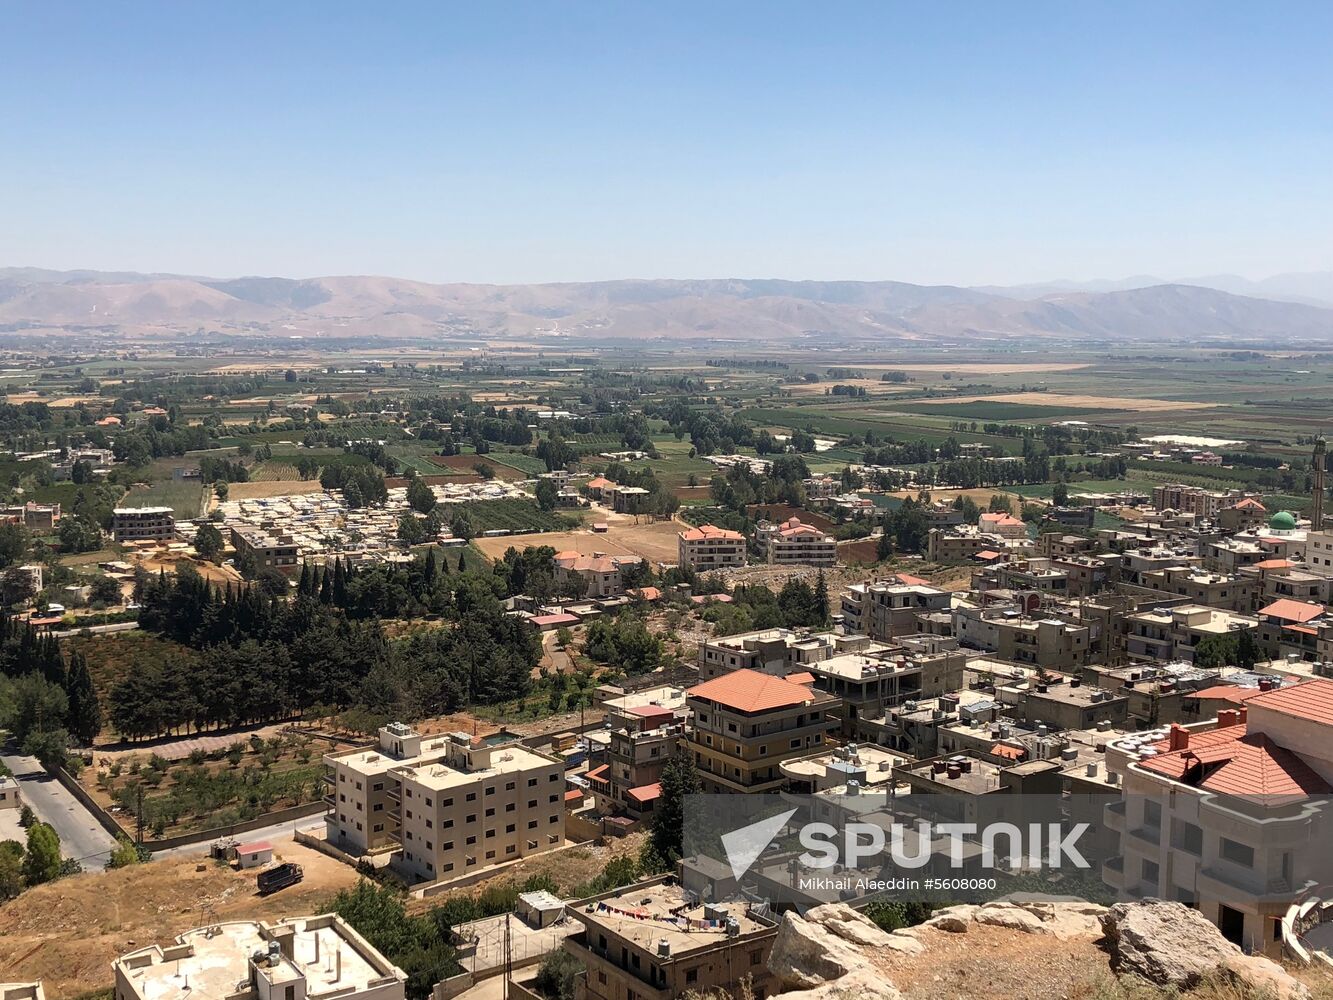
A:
966, 143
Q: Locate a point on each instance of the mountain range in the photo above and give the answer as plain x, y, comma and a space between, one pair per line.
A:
40, 301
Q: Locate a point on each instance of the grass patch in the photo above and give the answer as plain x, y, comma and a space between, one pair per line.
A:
985, 409
516, 516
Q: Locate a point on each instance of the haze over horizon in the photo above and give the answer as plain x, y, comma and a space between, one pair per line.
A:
1023, 145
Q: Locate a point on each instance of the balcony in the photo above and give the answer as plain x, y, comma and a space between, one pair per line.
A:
1151, 835
1115, 816
1113, 872
1248, 888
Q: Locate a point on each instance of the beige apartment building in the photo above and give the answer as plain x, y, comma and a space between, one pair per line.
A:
597, 575
300, 958
869, 683
708, 548
777, 651
1039, 642
445, 805
886, 609
633, 945
1172, 634
793, 543
746, 723
1230, 816
1217, 590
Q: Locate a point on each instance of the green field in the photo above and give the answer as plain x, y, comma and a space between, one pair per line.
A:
515, 515
987, 409
185, 497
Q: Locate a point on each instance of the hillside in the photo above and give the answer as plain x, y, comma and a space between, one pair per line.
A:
33, 300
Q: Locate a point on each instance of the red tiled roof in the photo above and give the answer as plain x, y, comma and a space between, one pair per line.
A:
598, 773
647, 593
1292, 611
574, 795
257, 847
711, 532
560, 619
1228, 692
1312, 700
804, 677
1249, 503
1236, 762
913, 581
600, 483
1013, 753
650, 711
988, 554
750, 691
645, 793
1274, 564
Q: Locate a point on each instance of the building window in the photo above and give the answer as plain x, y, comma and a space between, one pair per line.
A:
1237, 853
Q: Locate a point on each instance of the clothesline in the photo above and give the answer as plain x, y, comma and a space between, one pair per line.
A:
676, 918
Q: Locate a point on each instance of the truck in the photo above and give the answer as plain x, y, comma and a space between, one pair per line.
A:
279, 878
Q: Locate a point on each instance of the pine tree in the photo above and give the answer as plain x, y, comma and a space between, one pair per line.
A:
84, 719
303, 587
339, 584
326, 587
430, 569
462, 562
679, 779
821, 598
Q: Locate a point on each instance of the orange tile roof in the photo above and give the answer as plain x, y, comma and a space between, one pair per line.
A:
598, 773
645, 793
988, 554
711, 532
750, 691
804, 677
1312, 700
600, 483
1013, 753
1274, 564
913, 581
574, 795
1292, 611
1233, 761
1228, 692
1249, 503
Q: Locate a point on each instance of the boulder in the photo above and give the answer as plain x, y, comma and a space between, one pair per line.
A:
858, 985
1168, 944
826, 944
1265, 976
955, 919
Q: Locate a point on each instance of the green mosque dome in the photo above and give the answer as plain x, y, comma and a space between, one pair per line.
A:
1283, 521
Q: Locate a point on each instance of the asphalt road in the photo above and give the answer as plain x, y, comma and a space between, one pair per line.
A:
81, 836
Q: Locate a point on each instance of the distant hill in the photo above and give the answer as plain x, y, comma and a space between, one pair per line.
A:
719, 309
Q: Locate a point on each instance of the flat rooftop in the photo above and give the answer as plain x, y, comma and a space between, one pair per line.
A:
439, 776
652, 913
211, 962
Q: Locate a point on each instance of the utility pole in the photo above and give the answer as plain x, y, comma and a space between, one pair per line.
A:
509, 960
139, 816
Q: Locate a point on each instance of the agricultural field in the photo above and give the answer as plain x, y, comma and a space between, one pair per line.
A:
654, 541
514, 516
112, 656
210, 788
999, 409
185, 497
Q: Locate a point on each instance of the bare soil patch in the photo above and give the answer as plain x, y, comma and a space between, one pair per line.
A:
1076, 399
255, 490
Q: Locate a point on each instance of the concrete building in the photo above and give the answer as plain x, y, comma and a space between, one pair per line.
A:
143, 524
446, 804
746, 723
1233, 592
263, 549
708, 548
886, 609
653, 941
9, 793
38, 516
871, 682
1168, 634
1042, 642
1072, 705
777, 651
1196, 500
792, 543
1229, 816
597, 575
1002, 524
300, 958
477, 806
628, 784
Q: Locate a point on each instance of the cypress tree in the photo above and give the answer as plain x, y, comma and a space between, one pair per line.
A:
85, 711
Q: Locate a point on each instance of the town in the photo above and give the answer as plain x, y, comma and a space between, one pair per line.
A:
360, 637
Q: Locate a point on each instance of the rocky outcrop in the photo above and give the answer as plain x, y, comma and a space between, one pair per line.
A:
857, 985
1172, 945
828, 943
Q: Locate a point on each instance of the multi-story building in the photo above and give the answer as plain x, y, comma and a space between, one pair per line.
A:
9, 793
628, 784
886, 609
300, 958
38, 516
653, 941
1319, 550
1037, 575
708, 547
143, 524
746, 723
870, 682
476, 806
1003, 524
1274, 579
777, 651
629, 500
597, 575
1196, 500
1233, 592
1072, 705
1040, 642
964, 542
1229, 816
1168, 634
447, 805
264, 550
792, 543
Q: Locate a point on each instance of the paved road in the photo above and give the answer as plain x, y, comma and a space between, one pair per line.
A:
81, 836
